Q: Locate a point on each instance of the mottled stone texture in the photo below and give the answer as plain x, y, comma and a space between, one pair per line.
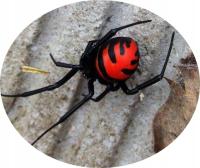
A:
117, 130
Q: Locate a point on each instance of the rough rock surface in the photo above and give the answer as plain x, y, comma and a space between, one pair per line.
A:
117, 130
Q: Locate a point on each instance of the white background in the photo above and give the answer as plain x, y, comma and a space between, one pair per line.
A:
15, 15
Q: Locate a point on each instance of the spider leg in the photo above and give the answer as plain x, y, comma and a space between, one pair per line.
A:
72, 110
112, 32
153, 80
62, 64
66, 65
102, 95
47, 88
105, 92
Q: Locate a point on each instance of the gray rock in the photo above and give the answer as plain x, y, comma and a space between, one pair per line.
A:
115, 131
56, 32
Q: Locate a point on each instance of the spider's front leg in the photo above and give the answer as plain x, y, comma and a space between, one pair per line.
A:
153, 80
62, 64
112, 32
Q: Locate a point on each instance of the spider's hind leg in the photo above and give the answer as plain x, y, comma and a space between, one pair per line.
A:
152, 81
72, 110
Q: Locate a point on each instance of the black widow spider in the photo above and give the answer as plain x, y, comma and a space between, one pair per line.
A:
110, 60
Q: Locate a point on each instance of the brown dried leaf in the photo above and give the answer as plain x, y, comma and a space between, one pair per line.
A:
175, 114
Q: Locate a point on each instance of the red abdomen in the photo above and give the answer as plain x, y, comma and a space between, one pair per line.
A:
117, 59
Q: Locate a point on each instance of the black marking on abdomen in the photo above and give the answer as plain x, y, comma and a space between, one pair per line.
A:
137, 54
111, 52
102, 67
133, 62
127, 41
111, 46
128, 71
121, 47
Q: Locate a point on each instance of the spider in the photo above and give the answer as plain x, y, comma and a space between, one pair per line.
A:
109, 60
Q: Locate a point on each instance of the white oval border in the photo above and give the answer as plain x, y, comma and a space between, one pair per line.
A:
15, 15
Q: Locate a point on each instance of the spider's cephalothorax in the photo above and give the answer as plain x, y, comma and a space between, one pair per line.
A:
87, 61
110, 60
